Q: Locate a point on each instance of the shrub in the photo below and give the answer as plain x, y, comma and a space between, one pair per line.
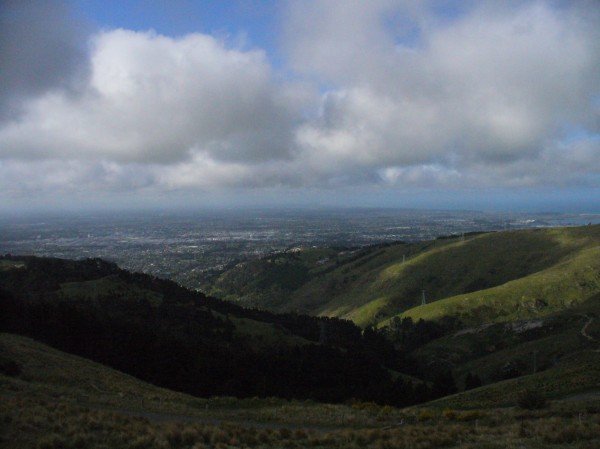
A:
52, 441
425, 415
449, 414
142, 442
532, 400
369, 406
469, 416
386, 410
10, 367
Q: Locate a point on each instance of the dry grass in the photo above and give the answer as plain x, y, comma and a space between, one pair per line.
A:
31, 423
51, 404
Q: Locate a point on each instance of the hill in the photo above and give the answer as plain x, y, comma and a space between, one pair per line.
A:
558, 355
51, 399
490, 276
167, 335
54, 399
509, 311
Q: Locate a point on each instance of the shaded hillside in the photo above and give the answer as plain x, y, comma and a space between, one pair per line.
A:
268, 281
57, 400
378, 283
172, 337
558, 354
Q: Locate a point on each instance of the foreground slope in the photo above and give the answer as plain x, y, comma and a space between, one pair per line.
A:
50, 399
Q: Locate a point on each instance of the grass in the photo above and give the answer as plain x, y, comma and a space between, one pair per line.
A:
541, 296
11, 264
549, 352
573, 375
481, 275
478, 265
63, 401
561, 286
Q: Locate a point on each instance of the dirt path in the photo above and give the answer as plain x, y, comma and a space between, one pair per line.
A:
159, 417
585, 396
585, 326
586, 335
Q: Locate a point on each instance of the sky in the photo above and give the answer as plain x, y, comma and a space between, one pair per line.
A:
396, 103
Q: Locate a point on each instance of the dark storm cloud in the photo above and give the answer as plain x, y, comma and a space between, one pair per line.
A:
41, 47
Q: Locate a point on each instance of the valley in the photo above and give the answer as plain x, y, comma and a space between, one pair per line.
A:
333, 348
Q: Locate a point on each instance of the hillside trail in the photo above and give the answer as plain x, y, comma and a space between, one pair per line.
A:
584, 333
160, 417
164, 417
585, 326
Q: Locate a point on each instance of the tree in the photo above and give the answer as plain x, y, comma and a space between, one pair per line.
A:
472, 381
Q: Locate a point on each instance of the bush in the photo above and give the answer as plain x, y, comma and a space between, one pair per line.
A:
532, 400
52, 441
469, 416
10, 367
426, 415
449, 414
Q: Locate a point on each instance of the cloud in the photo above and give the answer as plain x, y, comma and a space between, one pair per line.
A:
42, 48
153, 98
392, 93
490, 88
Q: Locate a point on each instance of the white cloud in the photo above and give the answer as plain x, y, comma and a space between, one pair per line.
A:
488, 98
152, 98
487, 89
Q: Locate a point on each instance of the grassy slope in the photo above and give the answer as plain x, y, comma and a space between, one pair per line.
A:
374, 284
578, 373
563, 285
63, 401
50, 374
566, 360
49, 371
379, 285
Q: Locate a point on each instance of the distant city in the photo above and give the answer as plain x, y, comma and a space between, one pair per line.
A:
190, 248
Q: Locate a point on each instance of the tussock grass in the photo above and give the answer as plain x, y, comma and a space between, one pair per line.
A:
50, 404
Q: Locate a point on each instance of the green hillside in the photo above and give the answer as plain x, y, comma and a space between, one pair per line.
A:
569, 282
484, 276
509, 313
559, 354
52, 399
